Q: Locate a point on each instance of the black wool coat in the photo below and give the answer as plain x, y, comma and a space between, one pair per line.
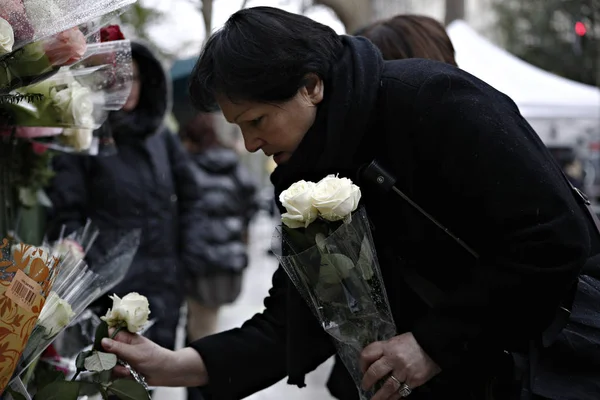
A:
463, 152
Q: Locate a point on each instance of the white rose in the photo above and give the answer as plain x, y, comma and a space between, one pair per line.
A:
7, 37
83, 107
26, 253
131, 311
55, 315
67, 246
297, 200
335, 198
78, 138
74, 104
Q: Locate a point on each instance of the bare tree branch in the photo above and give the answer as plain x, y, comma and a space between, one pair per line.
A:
354, 14
207, 7
455, 9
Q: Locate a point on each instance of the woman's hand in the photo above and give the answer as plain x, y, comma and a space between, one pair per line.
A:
160, 366
403, 358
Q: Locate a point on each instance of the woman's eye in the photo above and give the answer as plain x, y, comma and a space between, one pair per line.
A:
256, 121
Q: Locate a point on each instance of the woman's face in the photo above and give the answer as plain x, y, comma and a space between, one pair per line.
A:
136, 87
276, 129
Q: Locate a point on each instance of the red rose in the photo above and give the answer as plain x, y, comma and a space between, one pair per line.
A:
110, 33
39, 149
50, 352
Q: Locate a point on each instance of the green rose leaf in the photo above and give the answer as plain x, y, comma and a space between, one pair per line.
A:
79, 362
99, 361
62, 390
46, 376
14, 394
126, 389
334, 268
103, 377
101, 333
365, 259
89, 389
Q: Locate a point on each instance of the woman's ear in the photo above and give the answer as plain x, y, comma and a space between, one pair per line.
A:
313, 89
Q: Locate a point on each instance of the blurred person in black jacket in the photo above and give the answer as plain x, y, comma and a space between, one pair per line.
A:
216, 252
147, 185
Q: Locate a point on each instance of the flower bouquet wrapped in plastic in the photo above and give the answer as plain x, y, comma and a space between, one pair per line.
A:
328, 252
76, 286
57, 377
74, 102
26, 277
31, 296
37, 37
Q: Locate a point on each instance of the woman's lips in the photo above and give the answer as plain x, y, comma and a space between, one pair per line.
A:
278, 157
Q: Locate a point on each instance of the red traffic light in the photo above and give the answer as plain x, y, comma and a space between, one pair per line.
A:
580, 28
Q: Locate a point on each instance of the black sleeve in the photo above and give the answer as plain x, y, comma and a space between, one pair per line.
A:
68, 193
535, 239
188, 192
246, 360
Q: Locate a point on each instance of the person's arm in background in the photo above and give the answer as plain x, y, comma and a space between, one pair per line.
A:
249, 195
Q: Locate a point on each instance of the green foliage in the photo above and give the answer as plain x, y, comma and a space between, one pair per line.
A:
19, 97
137, 20
101, 365
542, 32
33, 171
99, 361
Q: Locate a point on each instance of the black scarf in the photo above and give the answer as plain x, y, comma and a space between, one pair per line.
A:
328, 147
342, 118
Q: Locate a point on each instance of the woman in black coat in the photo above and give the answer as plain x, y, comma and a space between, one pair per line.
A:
147, 185
322, 103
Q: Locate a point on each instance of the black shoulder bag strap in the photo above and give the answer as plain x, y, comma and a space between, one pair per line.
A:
428, 291
425, 289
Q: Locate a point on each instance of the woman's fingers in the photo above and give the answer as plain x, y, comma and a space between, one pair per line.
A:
121, 372
370, 354
122, 350
123, 336
388, 391
376, 372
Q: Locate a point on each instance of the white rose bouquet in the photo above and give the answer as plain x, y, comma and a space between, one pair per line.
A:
328, 252
60, 102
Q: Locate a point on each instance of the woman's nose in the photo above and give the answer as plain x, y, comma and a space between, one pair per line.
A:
252, 142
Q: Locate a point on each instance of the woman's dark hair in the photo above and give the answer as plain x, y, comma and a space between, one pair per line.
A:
410, 36
262, 54
201, 132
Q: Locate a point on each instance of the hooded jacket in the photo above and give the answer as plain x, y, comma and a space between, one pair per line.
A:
147, 185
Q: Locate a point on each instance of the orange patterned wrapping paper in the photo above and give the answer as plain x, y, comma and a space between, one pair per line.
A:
26, 276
